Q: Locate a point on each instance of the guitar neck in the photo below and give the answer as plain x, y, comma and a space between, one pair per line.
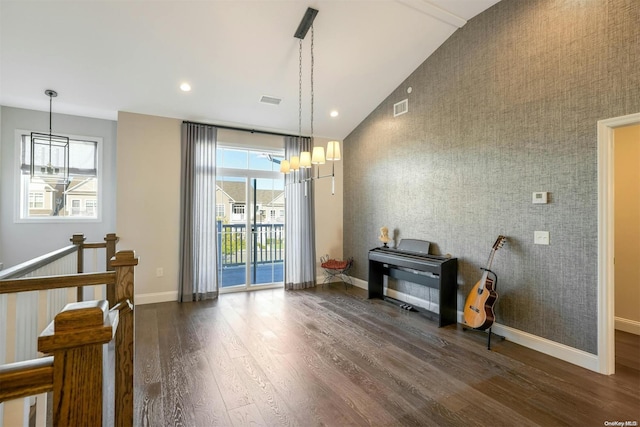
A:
490, 261
483, 280
498, 244
485, 275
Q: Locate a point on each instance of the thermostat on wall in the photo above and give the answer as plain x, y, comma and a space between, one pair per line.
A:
540, 197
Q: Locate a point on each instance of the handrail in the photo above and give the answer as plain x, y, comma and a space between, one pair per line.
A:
23, 379
75, 339
36, 263
44, 283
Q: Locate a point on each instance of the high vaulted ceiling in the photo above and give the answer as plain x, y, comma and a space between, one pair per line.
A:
108, 56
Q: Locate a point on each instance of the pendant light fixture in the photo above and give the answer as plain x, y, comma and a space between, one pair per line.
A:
49, 156
317, 156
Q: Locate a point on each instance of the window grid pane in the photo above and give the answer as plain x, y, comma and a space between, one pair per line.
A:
44, 197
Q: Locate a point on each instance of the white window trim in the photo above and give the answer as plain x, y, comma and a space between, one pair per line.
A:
19, 201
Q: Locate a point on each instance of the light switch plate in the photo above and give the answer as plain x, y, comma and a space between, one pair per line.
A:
541, 237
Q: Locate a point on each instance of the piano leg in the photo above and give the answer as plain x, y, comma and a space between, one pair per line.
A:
376, 279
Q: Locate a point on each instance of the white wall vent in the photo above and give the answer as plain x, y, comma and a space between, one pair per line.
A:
272, 100
400, 107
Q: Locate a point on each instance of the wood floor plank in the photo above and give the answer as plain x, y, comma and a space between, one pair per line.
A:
247, 415
218, 339
175, 399
310, 401
147, 381
415, 385
328, 356
628, 350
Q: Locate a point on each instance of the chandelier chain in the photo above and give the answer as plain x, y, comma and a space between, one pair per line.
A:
300, 91
312, 61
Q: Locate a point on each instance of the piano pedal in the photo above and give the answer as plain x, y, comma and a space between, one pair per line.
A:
407, 307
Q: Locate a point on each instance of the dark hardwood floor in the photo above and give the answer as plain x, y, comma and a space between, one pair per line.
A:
329, 356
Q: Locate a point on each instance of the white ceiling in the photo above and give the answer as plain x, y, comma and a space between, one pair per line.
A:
108, 56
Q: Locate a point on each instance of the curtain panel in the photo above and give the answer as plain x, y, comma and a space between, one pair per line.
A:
300, 247
198, 241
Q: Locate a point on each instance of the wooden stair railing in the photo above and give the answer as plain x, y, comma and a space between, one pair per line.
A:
78, 245
109, 244
75, 339
28, 378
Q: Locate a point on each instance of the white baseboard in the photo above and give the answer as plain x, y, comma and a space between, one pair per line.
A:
359, 283
560, 351
525, 339
152, 298
626, 325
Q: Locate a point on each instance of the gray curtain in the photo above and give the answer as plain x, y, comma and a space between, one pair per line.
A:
300, 248
198, 240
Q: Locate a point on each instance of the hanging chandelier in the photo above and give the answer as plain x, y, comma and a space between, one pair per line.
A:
49, 156
317, 156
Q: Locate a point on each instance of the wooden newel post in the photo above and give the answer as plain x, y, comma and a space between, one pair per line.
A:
111, 239
75, 339
123, 263
78, 240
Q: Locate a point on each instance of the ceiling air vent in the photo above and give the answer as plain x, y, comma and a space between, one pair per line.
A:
400, 107
271, 100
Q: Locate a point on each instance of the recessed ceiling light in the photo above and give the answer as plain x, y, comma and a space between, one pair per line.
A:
334, 113
185, 87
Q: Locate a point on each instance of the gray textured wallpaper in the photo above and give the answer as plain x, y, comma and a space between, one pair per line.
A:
506, 107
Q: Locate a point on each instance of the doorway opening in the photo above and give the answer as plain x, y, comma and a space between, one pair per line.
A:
606, 239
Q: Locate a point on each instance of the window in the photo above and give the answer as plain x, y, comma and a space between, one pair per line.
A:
220, 210
75, 207
51, 199
90, 206
36, 200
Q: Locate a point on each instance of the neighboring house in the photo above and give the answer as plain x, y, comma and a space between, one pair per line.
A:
231, 204
81, 198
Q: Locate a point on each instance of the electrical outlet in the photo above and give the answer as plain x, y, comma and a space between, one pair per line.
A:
541, 237
159, 272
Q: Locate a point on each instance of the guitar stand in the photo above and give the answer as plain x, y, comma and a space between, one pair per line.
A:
495, 285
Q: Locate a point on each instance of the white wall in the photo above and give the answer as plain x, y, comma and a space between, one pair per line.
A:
328, 209
148, 200
627, 228
20, 242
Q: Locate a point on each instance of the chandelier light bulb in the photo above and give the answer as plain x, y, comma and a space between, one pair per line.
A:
284, 166
318, 156
305, 159
294, 163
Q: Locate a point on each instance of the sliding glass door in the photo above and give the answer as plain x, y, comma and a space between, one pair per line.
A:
267, 227
250, 220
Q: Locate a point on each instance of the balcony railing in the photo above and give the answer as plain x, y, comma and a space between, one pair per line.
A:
267, 244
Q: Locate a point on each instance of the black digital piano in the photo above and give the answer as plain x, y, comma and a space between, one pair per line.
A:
410, 261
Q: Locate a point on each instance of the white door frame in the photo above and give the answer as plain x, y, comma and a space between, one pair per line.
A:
606, 285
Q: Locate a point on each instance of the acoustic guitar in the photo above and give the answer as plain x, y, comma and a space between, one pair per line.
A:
478, 308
